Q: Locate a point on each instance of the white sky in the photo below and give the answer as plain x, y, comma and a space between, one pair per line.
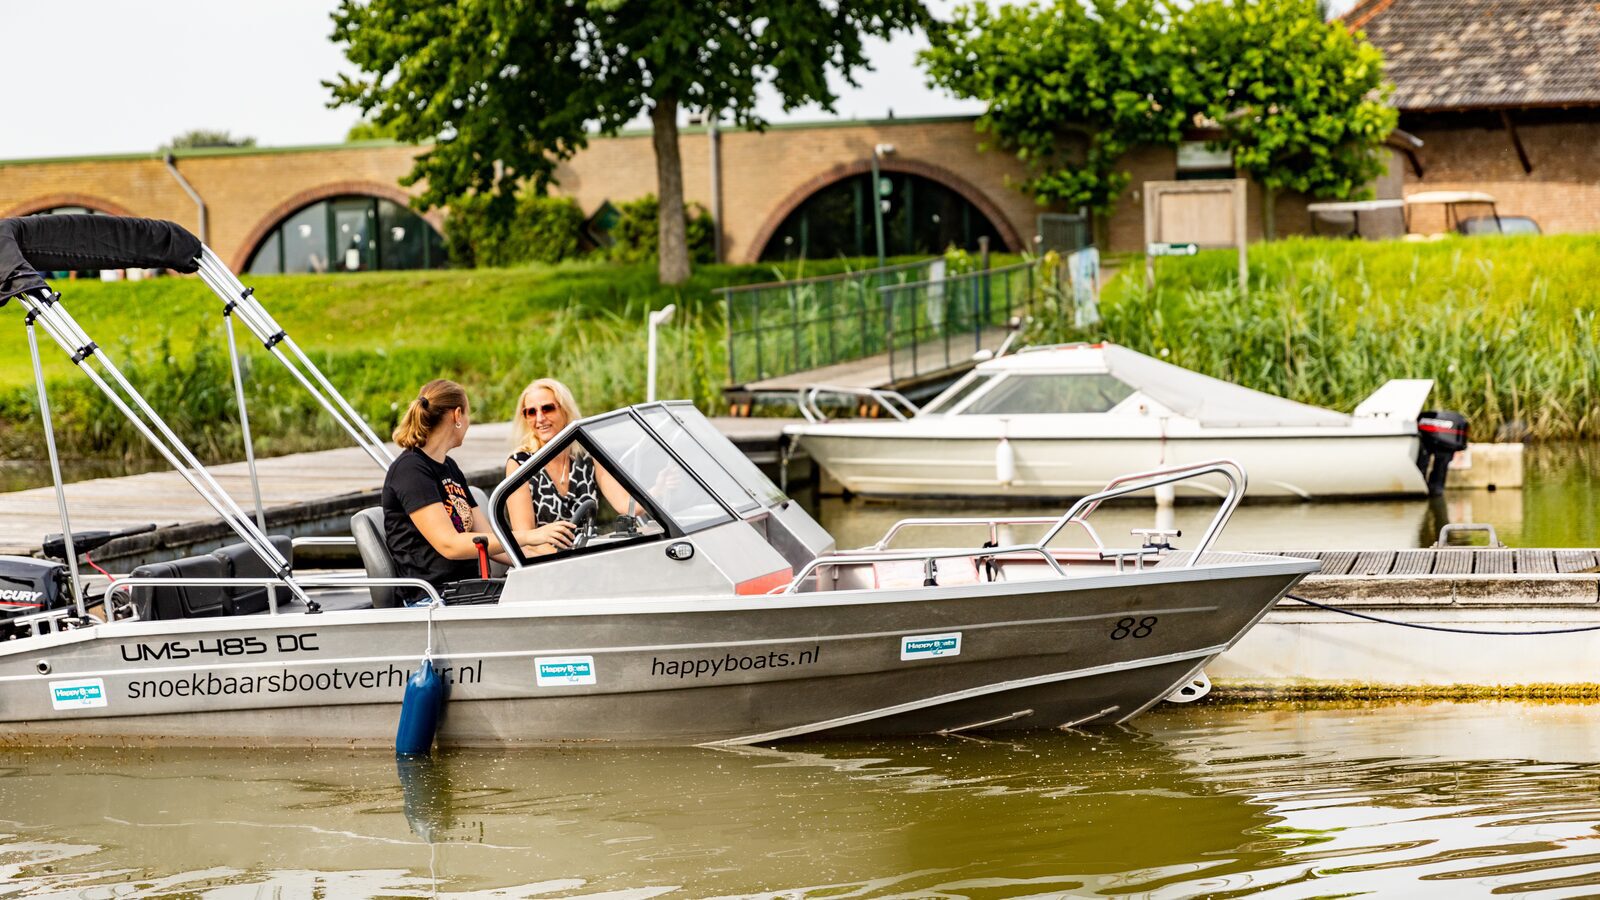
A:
124, 76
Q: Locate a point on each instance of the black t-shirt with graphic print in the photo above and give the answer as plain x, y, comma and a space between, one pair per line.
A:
549, 504
415, 481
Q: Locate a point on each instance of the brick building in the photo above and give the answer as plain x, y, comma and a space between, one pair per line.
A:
1504, 96
257, 200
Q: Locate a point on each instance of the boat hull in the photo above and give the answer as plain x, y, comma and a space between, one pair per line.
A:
1299, 467
959, 658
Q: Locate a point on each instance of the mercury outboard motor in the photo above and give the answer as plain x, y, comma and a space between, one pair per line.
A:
29, 586
1443, 434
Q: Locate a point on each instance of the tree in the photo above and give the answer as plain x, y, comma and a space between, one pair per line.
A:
506, 90
1071, 88
364, 130
201, 137
1301, 102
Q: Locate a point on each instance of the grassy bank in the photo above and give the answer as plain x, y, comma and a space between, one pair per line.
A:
1505, 326
378, 336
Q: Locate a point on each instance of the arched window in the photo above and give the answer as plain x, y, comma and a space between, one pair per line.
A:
920, 217
349, 234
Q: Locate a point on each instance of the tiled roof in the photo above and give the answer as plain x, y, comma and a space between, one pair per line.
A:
1475, 54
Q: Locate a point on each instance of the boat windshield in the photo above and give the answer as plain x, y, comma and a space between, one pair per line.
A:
646, 463
958, 392
1051, 393
699, 459
688, 427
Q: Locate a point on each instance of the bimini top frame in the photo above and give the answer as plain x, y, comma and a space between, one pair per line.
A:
29, 246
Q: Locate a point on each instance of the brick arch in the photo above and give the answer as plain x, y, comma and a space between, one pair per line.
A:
51, 201
305, 198
934, 173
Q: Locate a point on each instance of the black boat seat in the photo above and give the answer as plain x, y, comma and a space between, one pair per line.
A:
367, 528
167, 602
246, 563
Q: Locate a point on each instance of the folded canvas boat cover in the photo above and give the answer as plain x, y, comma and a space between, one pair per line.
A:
1209, 401
35, 244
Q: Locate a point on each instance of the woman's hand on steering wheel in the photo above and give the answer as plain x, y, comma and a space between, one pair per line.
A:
557, 534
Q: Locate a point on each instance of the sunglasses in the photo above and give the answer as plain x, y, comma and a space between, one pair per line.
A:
548, 409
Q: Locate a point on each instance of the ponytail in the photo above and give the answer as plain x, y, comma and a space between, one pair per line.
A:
426, 413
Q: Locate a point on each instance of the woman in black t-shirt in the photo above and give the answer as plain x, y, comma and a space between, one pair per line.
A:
553, 495
429, 515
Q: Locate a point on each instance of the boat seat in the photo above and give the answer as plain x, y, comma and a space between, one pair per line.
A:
160, 602
367, 528
907, 573
168, 602
244, 562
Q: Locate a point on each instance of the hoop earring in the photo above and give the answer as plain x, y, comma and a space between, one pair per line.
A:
458, 426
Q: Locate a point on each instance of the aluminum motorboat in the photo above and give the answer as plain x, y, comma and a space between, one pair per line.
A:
1060, 421
698, 604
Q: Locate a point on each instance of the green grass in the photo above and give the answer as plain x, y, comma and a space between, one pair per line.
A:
1505, 326
378, 336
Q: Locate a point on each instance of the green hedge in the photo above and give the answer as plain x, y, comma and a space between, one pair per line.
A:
539, 229
638, 232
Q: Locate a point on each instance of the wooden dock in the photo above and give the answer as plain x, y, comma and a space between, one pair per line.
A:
301, 493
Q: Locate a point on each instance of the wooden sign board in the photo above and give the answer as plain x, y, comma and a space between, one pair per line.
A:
1206, 214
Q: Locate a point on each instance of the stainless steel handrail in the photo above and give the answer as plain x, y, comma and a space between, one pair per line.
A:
309, 581
918, 555
1078, 514
1238, 481
807, 401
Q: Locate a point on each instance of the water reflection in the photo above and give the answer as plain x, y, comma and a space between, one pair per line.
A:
1422, 800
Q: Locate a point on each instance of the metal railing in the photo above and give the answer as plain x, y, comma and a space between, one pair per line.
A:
894, 402
1077, 515
783, 327
936, 324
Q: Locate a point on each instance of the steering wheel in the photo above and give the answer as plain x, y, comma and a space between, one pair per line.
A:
583, 522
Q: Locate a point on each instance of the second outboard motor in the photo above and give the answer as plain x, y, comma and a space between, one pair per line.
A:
1443, 434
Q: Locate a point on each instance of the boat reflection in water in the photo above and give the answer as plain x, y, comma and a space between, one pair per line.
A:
1422, 800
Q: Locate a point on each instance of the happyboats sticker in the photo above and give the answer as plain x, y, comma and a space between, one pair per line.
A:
930, 646
85, 694
559, 671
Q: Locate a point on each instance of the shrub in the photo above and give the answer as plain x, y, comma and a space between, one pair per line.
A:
637, 231
538, 229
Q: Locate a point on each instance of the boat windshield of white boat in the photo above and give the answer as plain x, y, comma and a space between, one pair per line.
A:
663, 473
1105, 378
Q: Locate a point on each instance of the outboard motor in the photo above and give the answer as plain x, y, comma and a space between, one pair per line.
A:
1443, 434
29, 586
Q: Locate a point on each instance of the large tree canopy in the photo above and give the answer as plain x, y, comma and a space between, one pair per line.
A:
1073, 86
1301, 102
506, 89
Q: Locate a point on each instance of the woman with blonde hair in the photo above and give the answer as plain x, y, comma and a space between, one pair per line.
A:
544, 408
429, 515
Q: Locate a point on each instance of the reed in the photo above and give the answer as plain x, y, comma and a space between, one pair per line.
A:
1506, 327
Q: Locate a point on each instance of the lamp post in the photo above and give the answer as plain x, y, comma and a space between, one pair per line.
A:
657, 318
877, 197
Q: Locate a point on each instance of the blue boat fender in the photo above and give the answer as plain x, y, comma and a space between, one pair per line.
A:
420, 711
423, 703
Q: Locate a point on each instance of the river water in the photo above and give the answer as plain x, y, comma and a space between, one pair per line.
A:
1416, 800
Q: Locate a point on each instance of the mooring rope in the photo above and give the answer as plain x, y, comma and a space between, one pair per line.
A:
1483, 631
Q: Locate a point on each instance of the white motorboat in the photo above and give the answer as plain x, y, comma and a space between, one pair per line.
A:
1061, 421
